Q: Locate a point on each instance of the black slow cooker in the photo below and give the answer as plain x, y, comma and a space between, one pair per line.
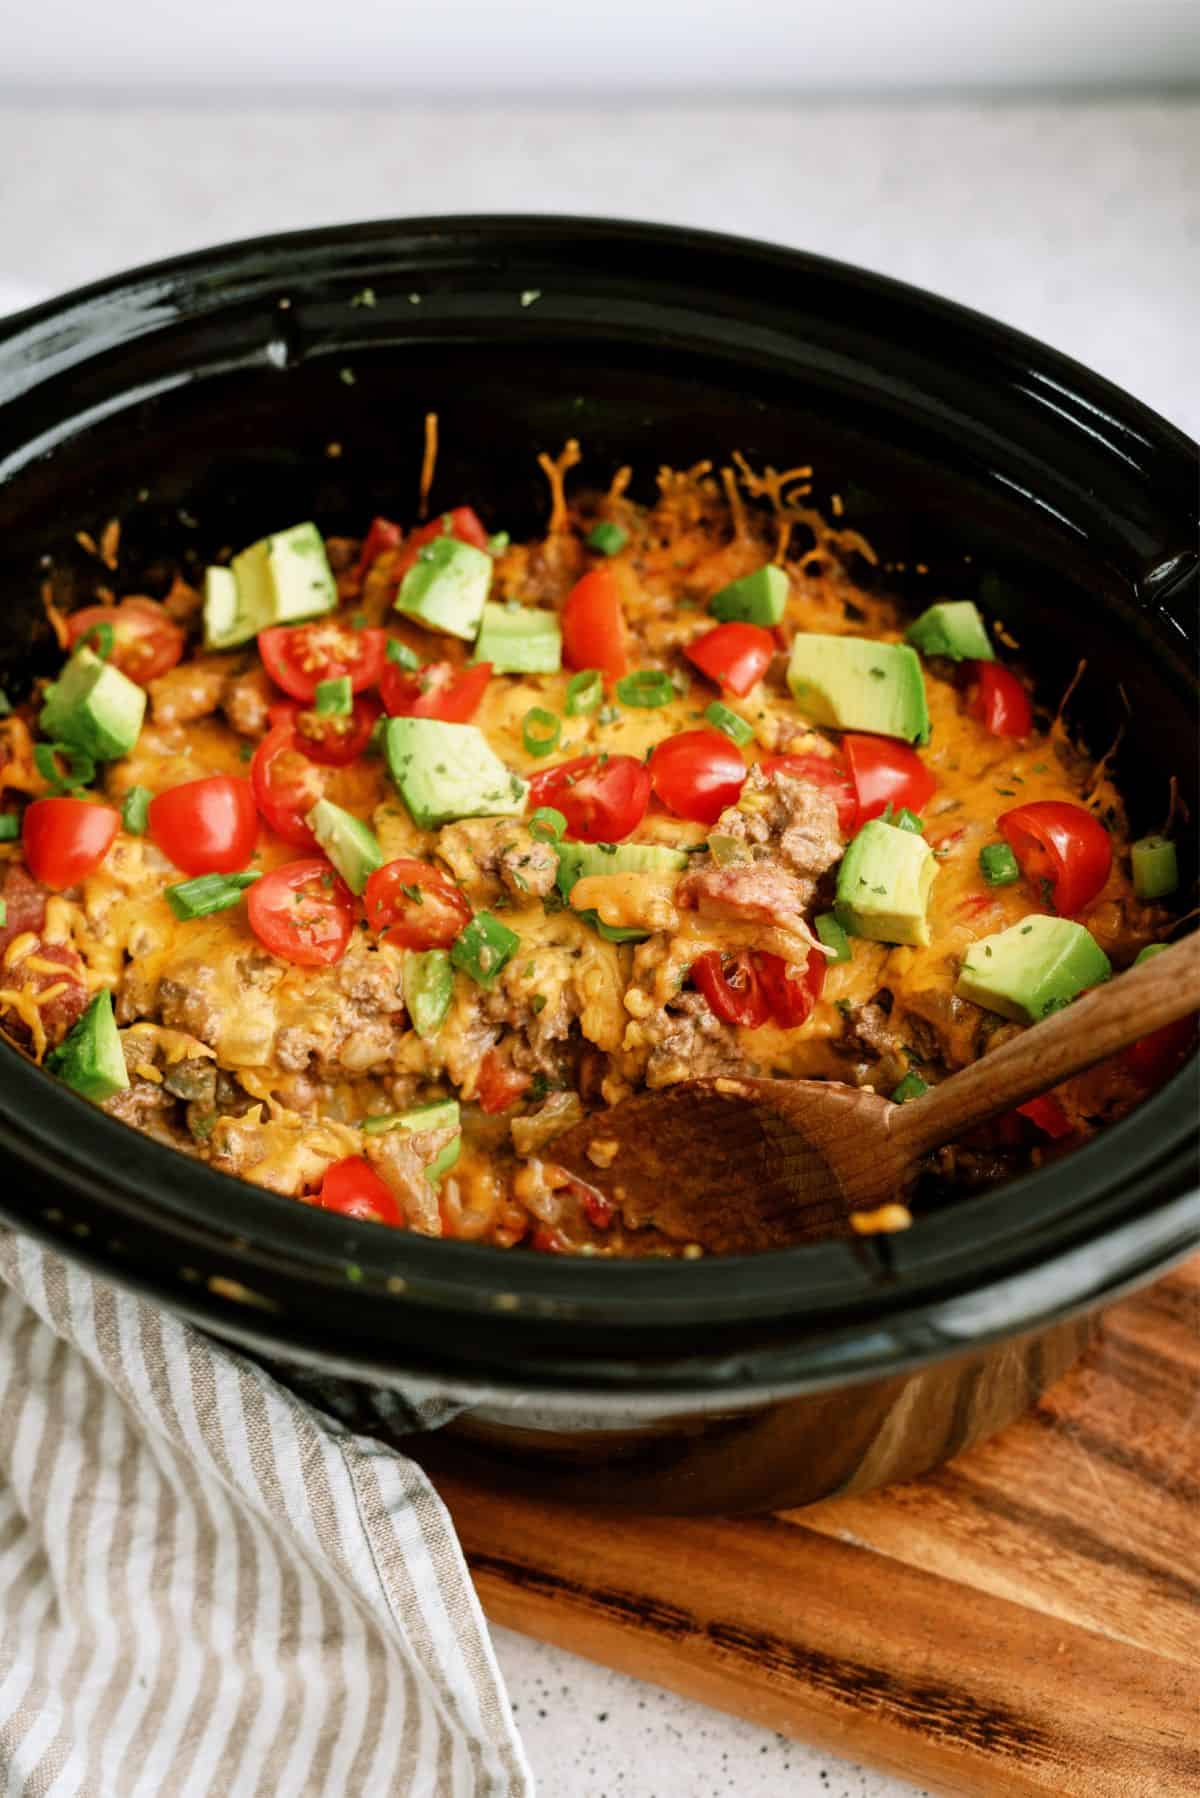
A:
214, 397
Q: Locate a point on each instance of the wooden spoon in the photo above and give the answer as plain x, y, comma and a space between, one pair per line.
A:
740, 1165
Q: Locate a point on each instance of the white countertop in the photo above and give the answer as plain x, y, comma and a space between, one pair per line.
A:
1077, 221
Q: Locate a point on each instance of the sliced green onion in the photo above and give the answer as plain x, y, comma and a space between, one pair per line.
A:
540, 730
607, 537
99, 639
1149, 952
830, 932
484, 947
402, 655
646, 687
906, 820
998, 865
911, 1087
726, 850
547, 825
208, 893
334, 698
584, 692
81, 769
613, 933
1155, 867
135, 811
3, 913
498, 542
735, 728
10, 827
5, 705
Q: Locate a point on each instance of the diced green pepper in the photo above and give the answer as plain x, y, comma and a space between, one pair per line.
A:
484, 948
998, 865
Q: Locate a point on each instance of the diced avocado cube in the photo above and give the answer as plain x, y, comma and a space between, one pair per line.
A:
283, 579
347, 841
576, 860
519, 640
89, 1058
93, 707
437, 1115
884, 884
448, 771
223, 624
447, 587
954, 628
856, 684
428, 989
911, 1087
757, 598
1032, 968
1155, 867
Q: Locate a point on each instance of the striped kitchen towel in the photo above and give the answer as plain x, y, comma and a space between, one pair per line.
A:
209, 1588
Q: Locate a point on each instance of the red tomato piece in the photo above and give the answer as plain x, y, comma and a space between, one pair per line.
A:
500, 1084
206, 826
593, 625
820, 771
286, 783
146, 639
298, 656
791, 997
303, 912
733, 988
382, 536
1152, 1059
1063, 850
1048, 1115
735, 656
66, 839
885, 773
602, 797
335, 742
697, 773
353, 1188
461, 522
439, 690
415, 906
999, 701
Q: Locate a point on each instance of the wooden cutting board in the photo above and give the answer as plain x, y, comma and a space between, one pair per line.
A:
1025, 1621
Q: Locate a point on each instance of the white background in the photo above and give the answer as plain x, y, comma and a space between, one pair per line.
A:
413, 48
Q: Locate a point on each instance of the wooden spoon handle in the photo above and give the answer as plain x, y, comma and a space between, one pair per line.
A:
1108, 1018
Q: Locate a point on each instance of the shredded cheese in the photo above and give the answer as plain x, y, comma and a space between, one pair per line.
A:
428, 463
556, 472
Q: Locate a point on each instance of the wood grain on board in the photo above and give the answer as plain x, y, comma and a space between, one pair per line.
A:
1024, 1621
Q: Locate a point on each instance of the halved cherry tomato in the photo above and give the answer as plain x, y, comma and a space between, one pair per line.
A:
415, 906
885, 773
593, 625
439, 690
1063, 850
302, 912
1048, 1115
791, 997
697, 773
999, 701
353, 1188
732, 987
820, 771
335, 741
382, 536
66, 839
206, 826
602, 797
297, 656
146, 640
736, 656
461, 522
286, 783
500, 1084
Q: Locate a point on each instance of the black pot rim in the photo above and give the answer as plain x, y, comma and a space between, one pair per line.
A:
1131, 1194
